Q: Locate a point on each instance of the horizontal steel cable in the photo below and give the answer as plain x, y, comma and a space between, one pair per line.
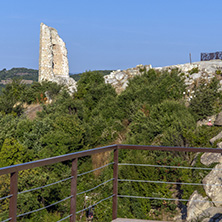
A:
166, 166
47, 185
6, 220
95, 187
2, 198
94, 204
179, 183
33, 211
65, 218
172, 199
94, 169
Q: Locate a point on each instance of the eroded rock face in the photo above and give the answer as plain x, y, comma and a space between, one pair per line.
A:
214, 191
119, 78
53, 61
196, 206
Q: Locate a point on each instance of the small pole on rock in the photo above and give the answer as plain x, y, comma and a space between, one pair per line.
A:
190, 58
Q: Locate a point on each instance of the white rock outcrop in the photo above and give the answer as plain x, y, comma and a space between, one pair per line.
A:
119, 79
53, 61
214, 191
203, 70
196, 206
209, 158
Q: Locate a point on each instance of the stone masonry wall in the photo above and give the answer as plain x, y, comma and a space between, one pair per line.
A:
53, 61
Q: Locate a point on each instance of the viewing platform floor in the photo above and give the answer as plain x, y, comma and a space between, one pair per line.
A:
135, 220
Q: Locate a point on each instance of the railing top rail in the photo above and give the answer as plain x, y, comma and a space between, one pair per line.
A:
170, 148
70, 156
53, 160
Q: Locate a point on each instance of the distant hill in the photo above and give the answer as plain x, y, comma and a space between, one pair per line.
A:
31, 75
76, 77
19, 73
27, 75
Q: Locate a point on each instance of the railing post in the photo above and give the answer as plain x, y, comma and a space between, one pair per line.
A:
115, 183
73, 190
13, 199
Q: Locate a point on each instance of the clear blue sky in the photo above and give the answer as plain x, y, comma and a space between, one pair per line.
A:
111, 34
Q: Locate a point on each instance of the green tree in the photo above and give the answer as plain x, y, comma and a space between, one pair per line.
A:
10, 98
206, 99
12, 152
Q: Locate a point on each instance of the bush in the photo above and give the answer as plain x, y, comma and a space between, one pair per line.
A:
206, 99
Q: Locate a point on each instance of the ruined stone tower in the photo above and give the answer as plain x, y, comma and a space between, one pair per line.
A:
53, 61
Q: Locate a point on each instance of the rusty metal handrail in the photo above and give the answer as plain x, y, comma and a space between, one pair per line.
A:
53, 160
13, 170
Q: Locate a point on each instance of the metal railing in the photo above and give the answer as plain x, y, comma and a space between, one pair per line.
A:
14, 170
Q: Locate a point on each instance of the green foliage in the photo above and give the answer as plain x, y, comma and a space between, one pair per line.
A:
77, 77
218, 72
12, 153
10, 98
149, 89
150, 111
206, 100
166, 122
65, 136
36, 93
194, 70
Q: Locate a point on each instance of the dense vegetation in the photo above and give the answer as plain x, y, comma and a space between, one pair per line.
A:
103, 72
151, 110
17, 73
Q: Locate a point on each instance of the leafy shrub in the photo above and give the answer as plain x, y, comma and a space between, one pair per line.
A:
206, 99
194, 70
218, 72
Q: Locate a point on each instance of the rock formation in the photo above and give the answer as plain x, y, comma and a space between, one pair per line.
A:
214, 191
119, 79
53, 61
209, 158
196, 206
218, 121
204, 71
199, 209
217, 137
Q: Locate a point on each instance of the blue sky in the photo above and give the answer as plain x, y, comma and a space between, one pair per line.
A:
111, 34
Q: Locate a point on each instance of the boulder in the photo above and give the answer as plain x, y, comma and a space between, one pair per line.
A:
218, 121
217, 137
212, 214
209, 158
195, 207
214, 189
219, 145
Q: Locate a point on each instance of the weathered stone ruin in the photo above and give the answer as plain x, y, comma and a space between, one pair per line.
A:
53, 61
